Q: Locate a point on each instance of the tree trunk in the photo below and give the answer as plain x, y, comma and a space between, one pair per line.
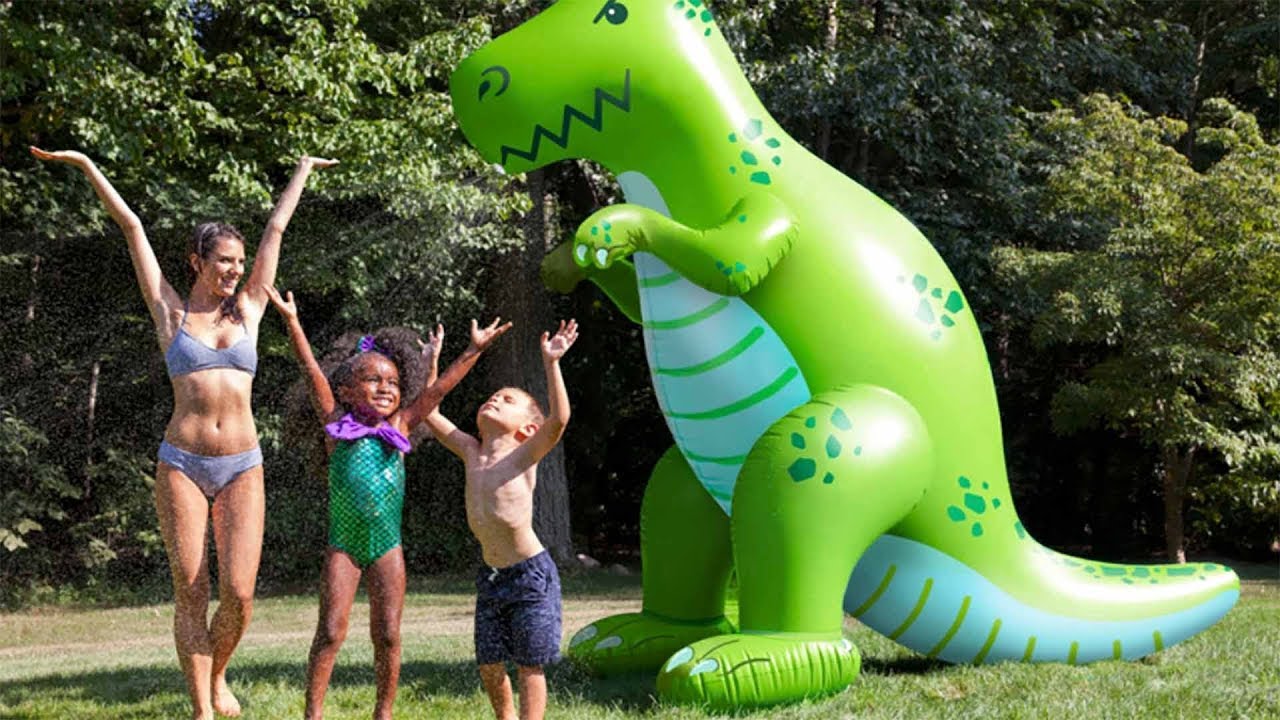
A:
89, 419
1176, 472
27, 361
516, 293
833, 34
1193, 101
882, 31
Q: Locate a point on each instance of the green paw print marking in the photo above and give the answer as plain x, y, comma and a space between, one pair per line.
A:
804, 467
1131, 574
752, 132
977, 505
690, 8
933, 309
728, 269
595, 232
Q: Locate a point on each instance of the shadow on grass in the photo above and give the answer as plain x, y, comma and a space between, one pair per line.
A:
910, 665
424, 678
109, 688
134, 686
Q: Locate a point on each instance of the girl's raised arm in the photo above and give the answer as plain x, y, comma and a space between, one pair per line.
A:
268, 257
156, 291
439, 386
318, 385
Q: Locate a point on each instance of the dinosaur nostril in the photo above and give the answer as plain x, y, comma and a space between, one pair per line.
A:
486, 84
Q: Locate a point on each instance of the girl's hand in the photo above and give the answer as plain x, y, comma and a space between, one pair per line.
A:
287, 307
432, 347
70, 157
554, 347
482, 338
315, 162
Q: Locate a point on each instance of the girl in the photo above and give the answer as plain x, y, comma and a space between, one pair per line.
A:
210, 448
367, 429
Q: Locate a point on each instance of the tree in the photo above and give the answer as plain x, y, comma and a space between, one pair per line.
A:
1173, 282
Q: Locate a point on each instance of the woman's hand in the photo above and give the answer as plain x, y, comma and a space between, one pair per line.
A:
70, 157
315, 162
287, 307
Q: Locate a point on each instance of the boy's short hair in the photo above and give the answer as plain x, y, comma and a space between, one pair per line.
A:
535, 408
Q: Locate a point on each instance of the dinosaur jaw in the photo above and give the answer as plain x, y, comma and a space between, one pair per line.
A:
573, 120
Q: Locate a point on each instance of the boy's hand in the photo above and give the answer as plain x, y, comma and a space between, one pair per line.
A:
482, 338
554, 347
287, 307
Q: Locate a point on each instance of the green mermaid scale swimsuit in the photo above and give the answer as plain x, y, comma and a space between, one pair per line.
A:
366, 498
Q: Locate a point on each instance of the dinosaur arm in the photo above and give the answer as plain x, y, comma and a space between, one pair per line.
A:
729, 258
618, 281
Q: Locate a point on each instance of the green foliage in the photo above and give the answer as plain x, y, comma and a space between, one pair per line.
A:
1171, 281
39, 489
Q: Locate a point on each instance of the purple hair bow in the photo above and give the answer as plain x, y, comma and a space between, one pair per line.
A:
348, 428
367, 344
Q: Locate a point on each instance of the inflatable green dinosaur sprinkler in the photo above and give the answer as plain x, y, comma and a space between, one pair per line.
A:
825, 381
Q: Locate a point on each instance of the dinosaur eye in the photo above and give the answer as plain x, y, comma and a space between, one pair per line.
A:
613, 11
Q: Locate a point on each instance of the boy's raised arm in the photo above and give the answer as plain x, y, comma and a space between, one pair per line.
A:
552, 428
317, 384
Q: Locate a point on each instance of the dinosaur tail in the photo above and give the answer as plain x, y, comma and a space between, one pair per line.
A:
1040, 606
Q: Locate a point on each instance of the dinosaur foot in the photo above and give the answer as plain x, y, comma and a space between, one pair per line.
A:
640, 641
733, 671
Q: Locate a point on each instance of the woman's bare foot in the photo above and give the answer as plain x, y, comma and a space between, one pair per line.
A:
223, 701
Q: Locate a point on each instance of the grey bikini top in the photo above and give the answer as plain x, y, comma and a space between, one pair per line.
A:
186, 354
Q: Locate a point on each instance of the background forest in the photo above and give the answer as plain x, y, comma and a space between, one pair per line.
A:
1103, 177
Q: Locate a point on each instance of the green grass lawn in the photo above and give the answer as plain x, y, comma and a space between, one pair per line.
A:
119, 664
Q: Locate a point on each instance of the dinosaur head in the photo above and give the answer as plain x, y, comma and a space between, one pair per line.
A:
601, 79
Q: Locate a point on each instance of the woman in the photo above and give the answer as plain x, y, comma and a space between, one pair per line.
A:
210, 449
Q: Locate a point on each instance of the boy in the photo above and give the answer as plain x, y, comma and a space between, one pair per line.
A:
518, 591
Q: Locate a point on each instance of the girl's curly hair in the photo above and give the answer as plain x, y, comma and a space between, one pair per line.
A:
397, 344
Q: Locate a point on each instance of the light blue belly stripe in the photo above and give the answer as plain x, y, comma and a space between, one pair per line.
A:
713, 404
964, 618
723, 358
694, 318
733, 376
735, 352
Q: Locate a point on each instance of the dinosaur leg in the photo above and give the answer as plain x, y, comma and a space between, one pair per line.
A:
684, 548
814, 493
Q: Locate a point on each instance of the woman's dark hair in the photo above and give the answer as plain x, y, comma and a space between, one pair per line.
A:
203, 240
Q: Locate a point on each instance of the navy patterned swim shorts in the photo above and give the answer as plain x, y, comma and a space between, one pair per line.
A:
518, 613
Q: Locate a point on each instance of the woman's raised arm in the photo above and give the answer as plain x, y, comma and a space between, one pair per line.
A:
156, 291
267, 258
